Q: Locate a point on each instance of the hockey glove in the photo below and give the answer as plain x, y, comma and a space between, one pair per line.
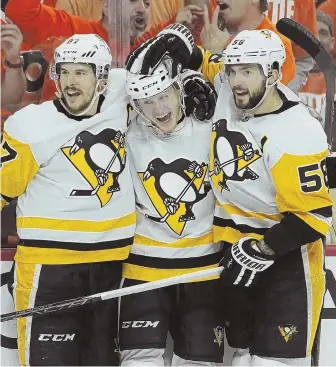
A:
200, 96
174, 43
243, 264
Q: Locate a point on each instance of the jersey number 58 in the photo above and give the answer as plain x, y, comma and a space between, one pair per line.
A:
313, 176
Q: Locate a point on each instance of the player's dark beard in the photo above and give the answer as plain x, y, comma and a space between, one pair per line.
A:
80, 108
254, 99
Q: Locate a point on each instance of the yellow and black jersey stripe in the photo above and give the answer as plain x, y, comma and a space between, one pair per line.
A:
153, 260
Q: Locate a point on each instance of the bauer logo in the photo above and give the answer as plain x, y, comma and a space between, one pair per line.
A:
56, 337
139, 324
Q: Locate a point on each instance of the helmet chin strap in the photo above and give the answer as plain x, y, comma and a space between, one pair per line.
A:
267, 89
97, 93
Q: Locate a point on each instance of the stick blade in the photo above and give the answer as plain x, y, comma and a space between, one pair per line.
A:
300, 35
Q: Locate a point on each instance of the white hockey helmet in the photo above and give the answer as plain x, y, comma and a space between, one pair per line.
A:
87, 49
263, 47
140, 86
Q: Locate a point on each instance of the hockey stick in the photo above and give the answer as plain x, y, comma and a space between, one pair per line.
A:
178, 199
95, 190
307, 41
80, 301
230, 161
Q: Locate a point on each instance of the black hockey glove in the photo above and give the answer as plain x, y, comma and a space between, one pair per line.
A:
174, 43
201, 97
243, 264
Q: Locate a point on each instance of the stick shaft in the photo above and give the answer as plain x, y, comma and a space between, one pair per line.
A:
76, 302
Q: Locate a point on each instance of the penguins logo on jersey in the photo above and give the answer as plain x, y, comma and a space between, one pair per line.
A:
100, 159
266, 33
231, 156
174, 188
219, 335
287, 331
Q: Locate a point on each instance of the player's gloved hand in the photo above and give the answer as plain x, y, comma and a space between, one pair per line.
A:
175, 43
200, 96
243, 263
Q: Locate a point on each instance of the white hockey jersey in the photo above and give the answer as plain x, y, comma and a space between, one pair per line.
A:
175, 203
285, 174
76, 200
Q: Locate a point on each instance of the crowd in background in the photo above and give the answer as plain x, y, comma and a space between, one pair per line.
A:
34, 28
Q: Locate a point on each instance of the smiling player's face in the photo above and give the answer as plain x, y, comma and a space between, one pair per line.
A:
78, 83
248, 84
163, 110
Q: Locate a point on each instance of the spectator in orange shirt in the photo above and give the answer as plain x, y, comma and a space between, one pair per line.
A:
13, 79
329, 7
38, 22
86, 9
238, 15
304, 12
313, 93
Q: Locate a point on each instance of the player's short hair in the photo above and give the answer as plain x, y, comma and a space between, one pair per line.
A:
327, 20
263, 5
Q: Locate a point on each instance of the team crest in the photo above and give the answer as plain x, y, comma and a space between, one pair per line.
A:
100, 159
266, 33
287, 331
231, 156
219, 335
174, 189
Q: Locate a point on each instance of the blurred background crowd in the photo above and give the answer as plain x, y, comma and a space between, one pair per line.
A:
32, 29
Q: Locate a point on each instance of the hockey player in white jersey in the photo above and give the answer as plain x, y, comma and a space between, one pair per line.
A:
268, 160
65, 160
169, 158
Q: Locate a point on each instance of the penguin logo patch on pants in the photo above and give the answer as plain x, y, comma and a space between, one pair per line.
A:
231, 156
174, 188
100, 159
